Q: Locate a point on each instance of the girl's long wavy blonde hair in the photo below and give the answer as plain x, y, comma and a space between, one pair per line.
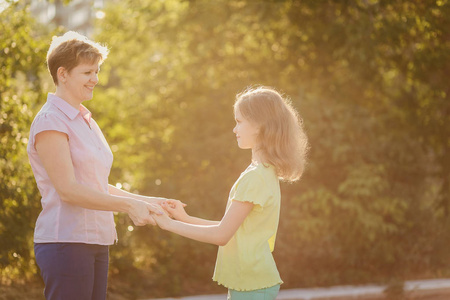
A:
281, 140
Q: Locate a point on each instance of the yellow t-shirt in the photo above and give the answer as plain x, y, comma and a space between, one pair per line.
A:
246, 263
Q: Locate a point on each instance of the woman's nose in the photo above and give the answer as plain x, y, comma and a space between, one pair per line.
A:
94, 78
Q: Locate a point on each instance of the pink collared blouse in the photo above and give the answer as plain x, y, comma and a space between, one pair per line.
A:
92, 158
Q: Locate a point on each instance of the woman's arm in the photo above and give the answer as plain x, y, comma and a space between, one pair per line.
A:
152, 200
218, 234
54, 153
119, 192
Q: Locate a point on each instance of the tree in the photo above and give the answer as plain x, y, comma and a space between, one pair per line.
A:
23, 45
366, 194
368, 77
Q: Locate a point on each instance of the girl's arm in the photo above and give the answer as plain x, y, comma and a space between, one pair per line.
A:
218, 234
177, 212
54, 153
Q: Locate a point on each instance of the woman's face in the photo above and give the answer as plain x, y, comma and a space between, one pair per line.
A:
246, 131
81, 80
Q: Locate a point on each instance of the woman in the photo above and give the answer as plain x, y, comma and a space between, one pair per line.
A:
71, 162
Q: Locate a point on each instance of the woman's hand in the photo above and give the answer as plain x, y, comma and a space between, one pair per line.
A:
175, 208
141, 212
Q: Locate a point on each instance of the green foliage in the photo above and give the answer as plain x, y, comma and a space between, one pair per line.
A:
368, 77
23, 50
356, 72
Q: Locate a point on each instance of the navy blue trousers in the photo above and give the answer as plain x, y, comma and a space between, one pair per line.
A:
73, 271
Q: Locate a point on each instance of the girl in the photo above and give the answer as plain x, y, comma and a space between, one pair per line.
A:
267, 124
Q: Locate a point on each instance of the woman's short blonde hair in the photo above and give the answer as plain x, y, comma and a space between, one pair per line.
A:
71, 49
281, 140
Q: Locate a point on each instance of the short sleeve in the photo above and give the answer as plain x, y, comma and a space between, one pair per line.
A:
251, 188
47, 122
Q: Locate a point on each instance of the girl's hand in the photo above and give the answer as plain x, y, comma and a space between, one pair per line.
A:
162, 220
171, 202
175, 208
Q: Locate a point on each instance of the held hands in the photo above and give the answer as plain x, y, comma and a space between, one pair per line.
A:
175, 209
141, 212
144, 212
165, 203
162, 220
172, 202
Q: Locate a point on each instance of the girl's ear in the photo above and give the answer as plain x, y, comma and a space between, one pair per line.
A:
61, 73
258, 128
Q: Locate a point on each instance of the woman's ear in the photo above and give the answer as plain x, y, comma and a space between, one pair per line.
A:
62, 74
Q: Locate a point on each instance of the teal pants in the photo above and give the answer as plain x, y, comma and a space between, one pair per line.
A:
262, 294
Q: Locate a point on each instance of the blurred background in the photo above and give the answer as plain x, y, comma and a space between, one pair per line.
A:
370, 79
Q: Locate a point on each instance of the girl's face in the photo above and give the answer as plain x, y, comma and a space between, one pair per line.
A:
81, 80
246, 131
